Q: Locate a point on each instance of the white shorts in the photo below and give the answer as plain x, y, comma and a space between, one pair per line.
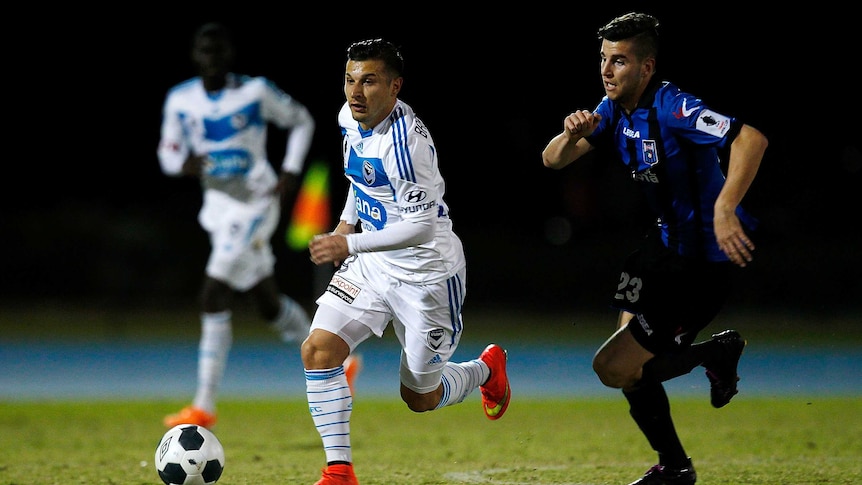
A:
240, 235
361, 299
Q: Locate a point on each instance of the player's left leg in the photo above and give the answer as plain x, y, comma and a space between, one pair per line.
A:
214, 346
721, 370
650, 409
284, 314
496, 392
624, 362
429, 379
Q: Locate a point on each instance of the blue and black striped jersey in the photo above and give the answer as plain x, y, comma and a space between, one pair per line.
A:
672, 143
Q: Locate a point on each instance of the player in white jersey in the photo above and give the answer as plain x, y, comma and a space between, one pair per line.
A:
405, 266
214, 128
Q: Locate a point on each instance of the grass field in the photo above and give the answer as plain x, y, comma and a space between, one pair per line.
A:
561, 441
538, 442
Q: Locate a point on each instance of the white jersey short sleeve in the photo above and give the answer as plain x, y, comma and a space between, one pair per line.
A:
397, 193
230, 126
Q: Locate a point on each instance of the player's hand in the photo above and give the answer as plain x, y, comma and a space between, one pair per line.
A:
328, 248
581, 123
731, 238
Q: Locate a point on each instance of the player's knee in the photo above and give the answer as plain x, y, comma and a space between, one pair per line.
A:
612, 375
417, 407
307, 352
214, 296
323, 350
419, 403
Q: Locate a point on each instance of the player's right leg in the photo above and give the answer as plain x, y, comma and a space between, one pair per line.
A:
215, 343
235, 264
326, 357
330, 401
624, 361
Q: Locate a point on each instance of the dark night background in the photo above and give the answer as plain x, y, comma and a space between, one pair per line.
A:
89, 217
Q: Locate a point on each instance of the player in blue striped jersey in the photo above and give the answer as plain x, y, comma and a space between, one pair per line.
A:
676, 282
214, 128
399, 261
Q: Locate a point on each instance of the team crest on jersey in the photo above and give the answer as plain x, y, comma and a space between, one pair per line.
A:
239, 121
435, 338
368, 173
649, 151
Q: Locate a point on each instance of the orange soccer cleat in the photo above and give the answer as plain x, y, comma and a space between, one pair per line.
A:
338, 475
495, 391
191, 415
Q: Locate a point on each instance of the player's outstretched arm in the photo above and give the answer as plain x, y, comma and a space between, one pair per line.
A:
746, 153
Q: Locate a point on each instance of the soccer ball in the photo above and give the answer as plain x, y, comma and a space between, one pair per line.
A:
189, 455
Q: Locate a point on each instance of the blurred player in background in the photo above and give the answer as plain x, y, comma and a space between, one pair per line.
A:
214, 128
406, 265
675, 284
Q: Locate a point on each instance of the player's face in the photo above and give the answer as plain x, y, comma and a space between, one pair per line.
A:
212, 55
370, 92
624, 76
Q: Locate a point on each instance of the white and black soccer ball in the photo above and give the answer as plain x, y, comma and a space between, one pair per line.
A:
189, 455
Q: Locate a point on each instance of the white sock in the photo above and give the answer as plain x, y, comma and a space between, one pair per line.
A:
460, 379
330, 405
215, 343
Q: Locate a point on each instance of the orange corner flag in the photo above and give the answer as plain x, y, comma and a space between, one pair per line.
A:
311, 212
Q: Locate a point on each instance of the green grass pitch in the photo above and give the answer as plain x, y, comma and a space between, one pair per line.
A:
553, 441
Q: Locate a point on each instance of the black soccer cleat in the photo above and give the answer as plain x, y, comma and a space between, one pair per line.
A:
722, 373
662, 475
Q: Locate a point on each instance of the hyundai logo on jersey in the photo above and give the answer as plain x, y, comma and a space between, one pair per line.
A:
415, 196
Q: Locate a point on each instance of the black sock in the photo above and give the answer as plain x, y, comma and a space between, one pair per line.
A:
667, 366
649, 407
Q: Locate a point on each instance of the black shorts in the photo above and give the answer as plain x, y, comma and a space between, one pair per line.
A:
673, 297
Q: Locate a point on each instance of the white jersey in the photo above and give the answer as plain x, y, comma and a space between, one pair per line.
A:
395, 180
230, 126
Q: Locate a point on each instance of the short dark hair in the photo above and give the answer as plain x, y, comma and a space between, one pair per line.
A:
214, 29
642, 28
378, 49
